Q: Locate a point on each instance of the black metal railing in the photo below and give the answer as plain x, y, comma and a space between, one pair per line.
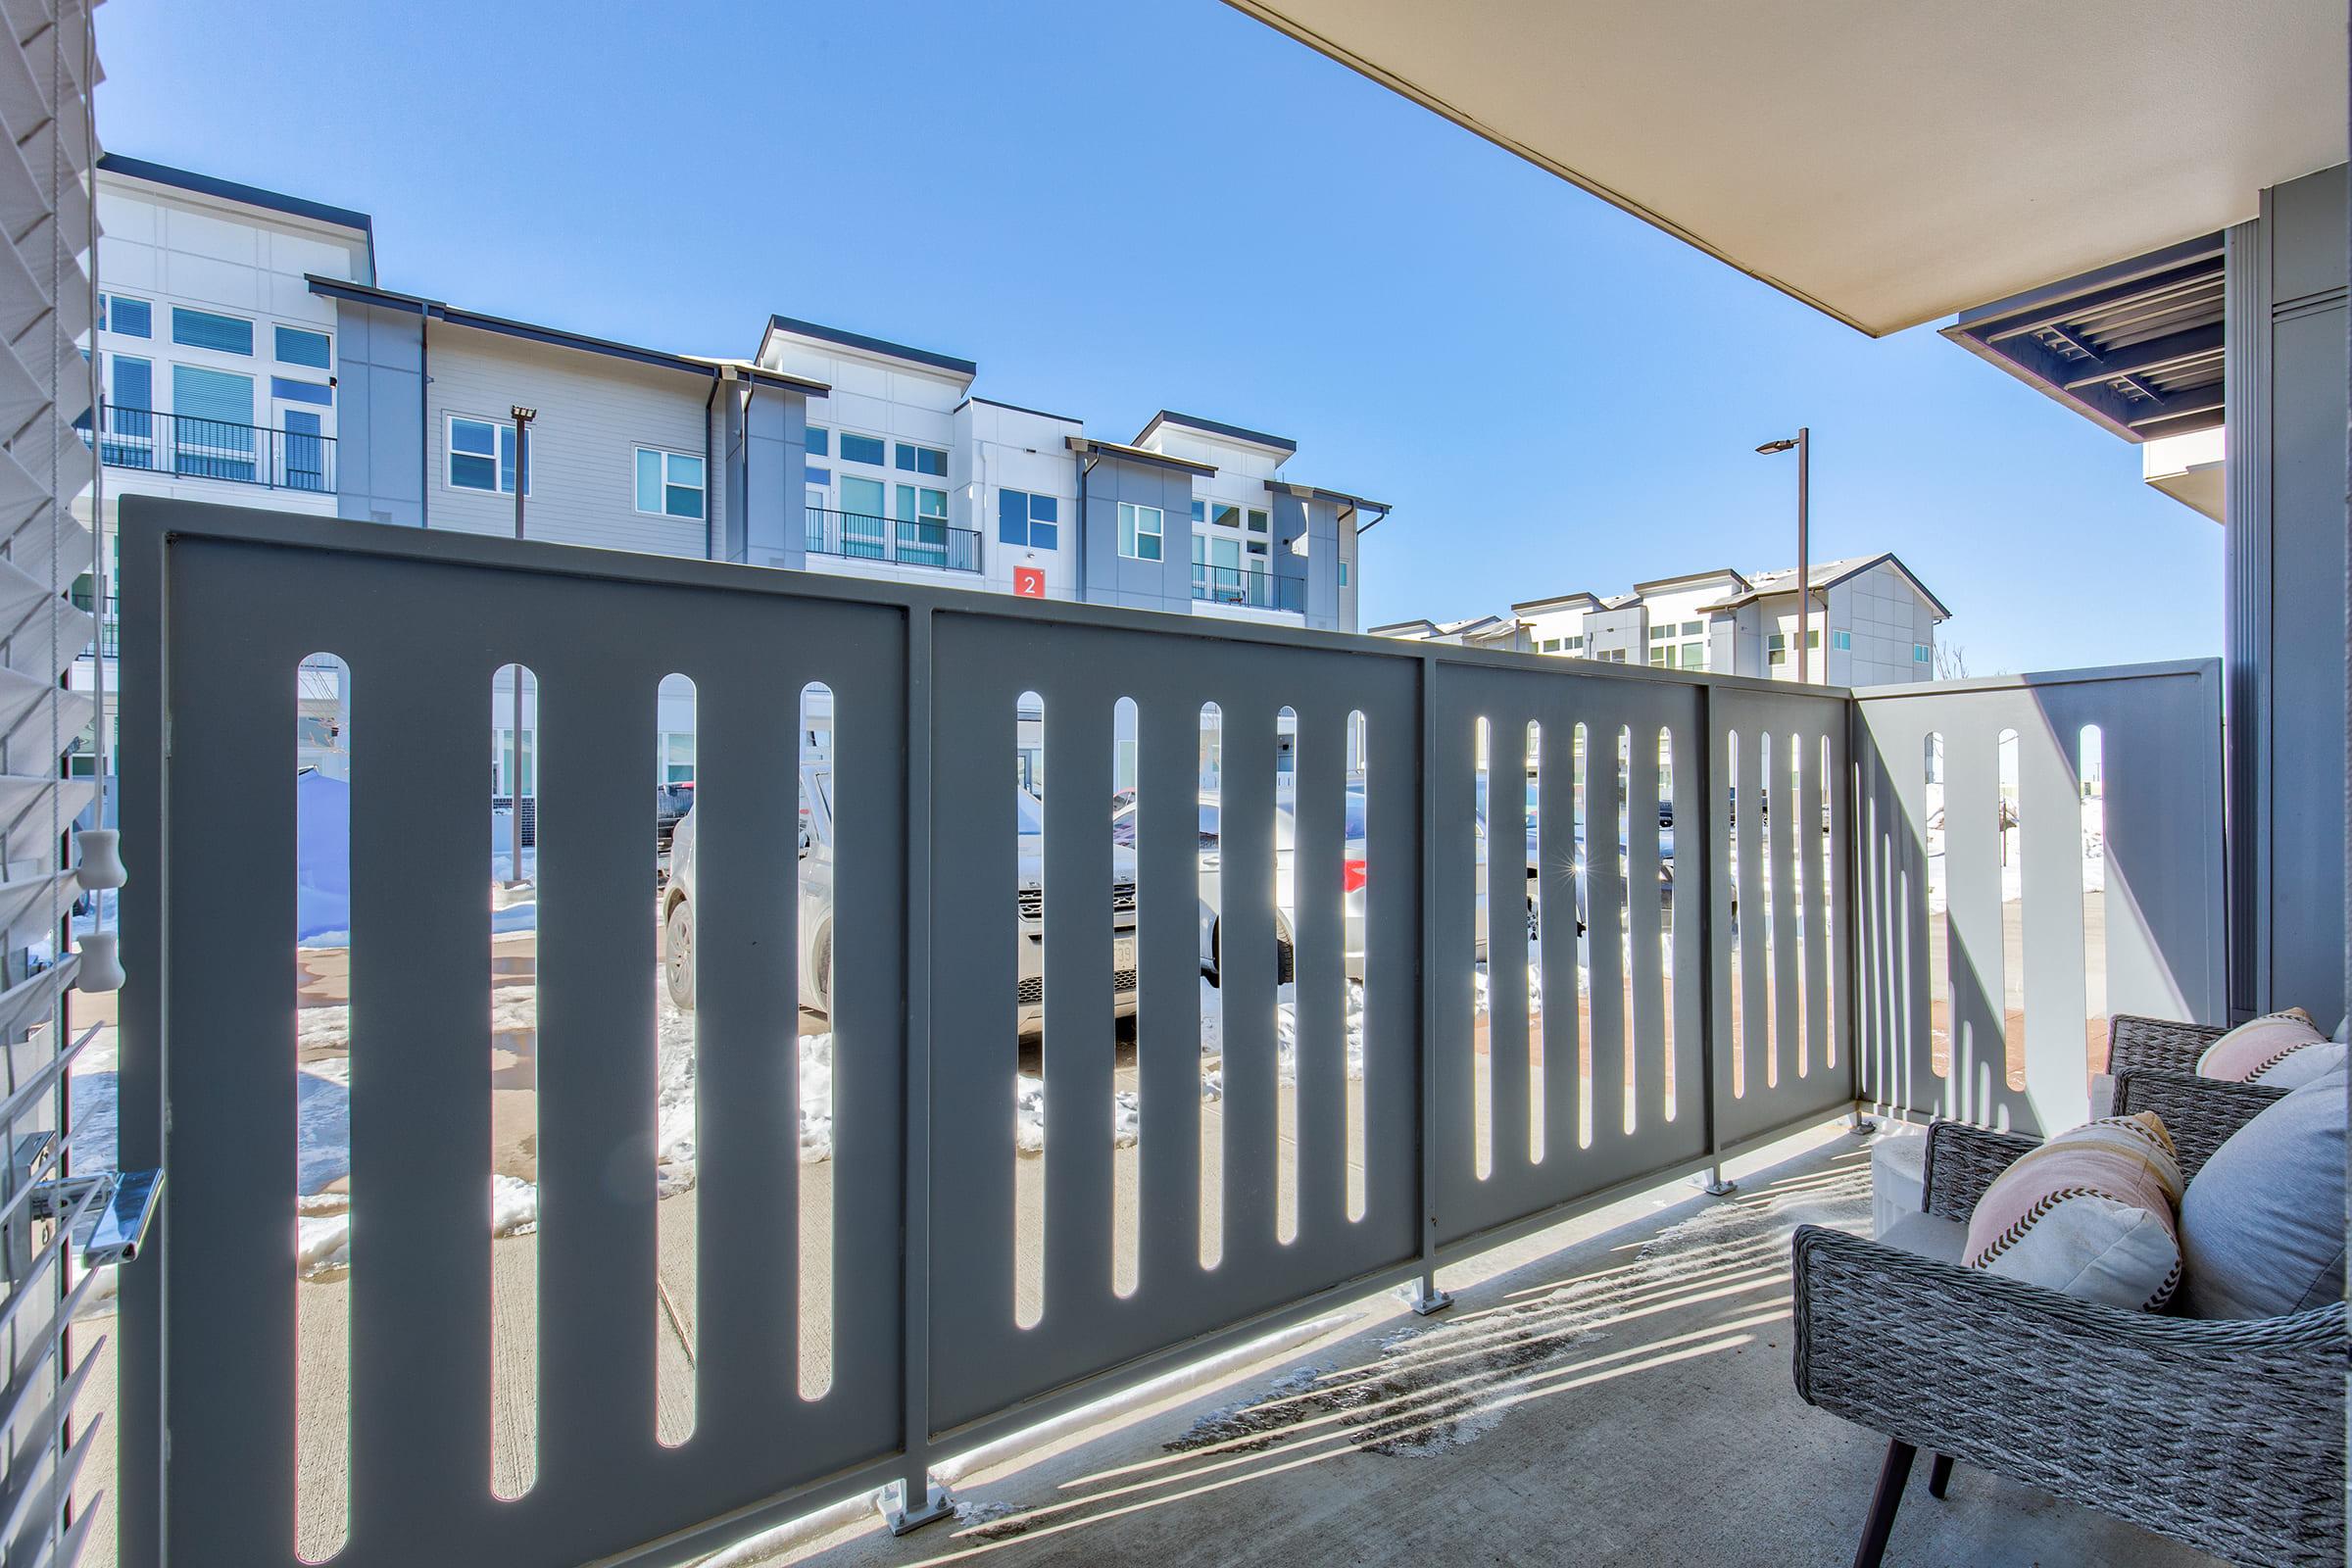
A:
910, 542
109, 643
1259, 590
216, 449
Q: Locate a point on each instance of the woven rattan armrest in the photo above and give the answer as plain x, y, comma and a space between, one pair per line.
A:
2227, 1434
2160, 1043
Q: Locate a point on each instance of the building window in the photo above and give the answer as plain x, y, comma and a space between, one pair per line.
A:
298, 347
819, 442
1028, 521
817, 477
1692, 628
1551, 645
1140, 530
677, 759
204, 329
481, 455
1661, 633
1658, 655
1921, 653
292, 391
922, 460
1775, 649
212, 429
1841, 639
1695, 656
669, 484
1576, 644
1258, 522
131, 317
1342, 574
862, 448
1224, 515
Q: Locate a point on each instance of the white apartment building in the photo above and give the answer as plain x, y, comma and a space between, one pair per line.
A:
1872, 623
249, 356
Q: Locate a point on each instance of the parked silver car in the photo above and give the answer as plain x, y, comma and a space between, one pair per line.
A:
817, 908
1355, 871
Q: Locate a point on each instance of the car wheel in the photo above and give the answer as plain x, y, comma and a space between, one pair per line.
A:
677, 955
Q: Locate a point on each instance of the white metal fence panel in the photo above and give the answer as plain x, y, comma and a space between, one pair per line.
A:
2037, 855
1335, 848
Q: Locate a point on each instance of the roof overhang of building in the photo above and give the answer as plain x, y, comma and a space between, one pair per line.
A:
1887, 163
2135, 346
1121, 452
1281, 446
558, 337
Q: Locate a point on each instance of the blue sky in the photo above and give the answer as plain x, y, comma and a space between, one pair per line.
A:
1120, 207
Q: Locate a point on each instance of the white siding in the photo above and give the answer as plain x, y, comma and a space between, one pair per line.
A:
594, 412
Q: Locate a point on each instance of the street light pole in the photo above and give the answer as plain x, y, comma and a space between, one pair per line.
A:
1803, 446
523, 434
1804, 582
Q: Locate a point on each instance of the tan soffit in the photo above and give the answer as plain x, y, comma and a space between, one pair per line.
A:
1887, 161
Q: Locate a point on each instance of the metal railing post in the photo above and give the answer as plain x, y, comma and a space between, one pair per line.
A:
1425, 1297
914, 1499
1853, 939
1710, 842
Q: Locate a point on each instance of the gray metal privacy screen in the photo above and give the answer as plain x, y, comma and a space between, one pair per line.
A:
1704, 1018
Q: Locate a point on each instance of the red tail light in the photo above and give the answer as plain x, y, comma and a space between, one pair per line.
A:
1351, 875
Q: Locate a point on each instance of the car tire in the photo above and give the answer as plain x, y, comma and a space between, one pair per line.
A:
677, 955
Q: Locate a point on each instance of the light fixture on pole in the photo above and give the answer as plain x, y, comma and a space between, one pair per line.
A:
523, 434
1804, 585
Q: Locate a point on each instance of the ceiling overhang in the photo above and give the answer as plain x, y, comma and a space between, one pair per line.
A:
2135, 346
1887, 163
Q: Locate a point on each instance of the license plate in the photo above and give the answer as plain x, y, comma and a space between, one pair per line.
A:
1122, 952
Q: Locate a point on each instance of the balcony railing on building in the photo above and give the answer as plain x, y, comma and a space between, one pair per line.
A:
192, 448
1258, 590
109, 641
906, 541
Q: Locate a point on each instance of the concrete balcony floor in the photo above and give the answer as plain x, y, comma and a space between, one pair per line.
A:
1614, 1390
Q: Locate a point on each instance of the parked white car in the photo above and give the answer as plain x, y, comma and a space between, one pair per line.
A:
817, 908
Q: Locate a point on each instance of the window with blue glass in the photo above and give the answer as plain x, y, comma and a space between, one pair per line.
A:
129, 418
295, 346
820, 441
669, 484
481, 455
912, 459
127, 316
863, 449
206, 329
1029, 521
212, 424
293, 391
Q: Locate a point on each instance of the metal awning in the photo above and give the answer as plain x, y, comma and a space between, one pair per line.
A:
2135, 346
1888, 164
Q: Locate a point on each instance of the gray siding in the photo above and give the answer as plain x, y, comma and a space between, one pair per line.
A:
1115, 579
2285, 543
594, 412
379, 456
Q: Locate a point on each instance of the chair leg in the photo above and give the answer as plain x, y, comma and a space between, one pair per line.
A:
1882, 1503
1940, 1475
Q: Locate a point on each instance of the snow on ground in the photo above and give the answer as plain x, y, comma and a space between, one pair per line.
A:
323, 1141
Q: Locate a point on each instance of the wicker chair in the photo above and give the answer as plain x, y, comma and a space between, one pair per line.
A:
2225, 1435
2163, 1043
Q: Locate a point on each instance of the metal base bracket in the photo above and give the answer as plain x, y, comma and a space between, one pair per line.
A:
1712, 1182
937, 1504
1425, 1298
1861, 1125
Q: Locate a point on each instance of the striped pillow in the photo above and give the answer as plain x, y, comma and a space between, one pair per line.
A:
2090, 1214
2251, 1051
